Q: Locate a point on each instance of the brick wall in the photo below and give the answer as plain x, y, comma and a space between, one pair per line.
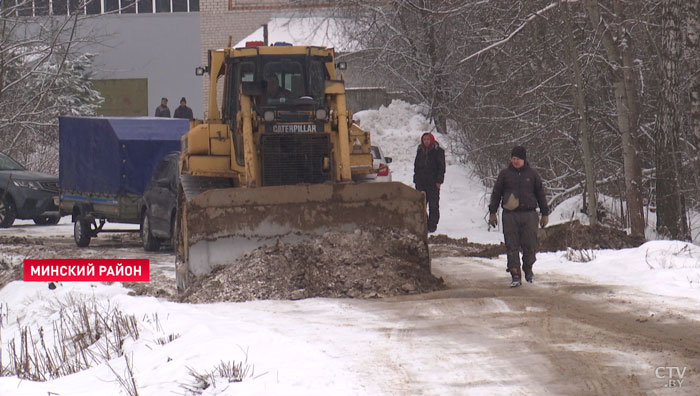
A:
217, 23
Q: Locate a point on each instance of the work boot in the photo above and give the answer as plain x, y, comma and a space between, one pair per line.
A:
515, 276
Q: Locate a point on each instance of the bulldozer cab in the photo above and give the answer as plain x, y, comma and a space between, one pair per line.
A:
285, 81
287, 95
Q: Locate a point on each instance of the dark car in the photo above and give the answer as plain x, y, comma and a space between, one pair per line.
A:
26, 195
159, 203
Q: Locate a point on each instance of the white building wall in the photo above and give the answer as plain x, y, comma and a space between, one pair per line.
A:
165, 48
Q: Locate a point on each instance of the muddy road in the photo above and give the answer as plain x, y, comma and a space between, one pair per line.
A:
554, 337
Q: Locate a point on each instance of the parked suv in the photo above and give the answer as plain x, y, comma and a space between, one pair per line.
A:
159, 203
26, 195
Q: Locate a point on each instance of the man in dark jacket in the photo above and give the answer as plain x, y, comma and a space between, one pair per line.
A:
163, 110
428, 175
519, 191
183, 111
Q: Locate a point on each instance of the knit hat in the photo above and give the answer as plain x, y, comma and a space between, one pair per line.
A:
183, 100
518, 151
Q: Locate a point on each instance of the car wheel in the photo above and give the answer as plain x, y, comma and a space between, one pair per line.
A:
7, 212
46, 220
81, 232
150, 243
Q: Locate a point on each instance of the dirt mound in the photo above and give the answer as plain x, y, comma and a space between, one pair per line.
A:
442, 239
443, 246
366, 263
17, 240
554, 238
578, 236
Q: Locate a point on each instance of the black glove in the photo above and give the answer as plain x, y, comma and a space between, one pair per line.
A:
493, 220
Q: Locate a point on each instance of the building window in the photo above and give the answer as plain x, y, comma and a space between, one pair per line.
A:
76, 7
93, 7
24, 8
111, 6
162, 5
96, 7
41, 7
145, 6
128, 7
59, 7
179, 5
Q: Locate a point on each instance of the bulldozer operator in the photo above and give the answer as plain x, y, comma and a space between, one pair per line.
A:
273, 89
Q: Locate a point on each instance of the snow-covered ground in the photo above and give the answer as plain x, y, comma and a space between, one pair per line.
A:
662, 267
340, 347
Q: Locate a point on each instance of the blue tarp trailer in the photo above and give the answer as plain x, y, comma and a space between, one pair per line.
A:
105, 164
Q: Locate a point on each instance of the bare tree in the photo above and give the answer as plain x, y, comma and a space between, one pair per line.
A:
692, 49
576, 82
618, 43
582, 113
412, 44
43, 75
671, 220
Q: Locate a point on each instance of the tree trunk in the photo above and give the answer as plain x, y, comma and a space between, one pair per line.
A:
671, 220
692, 46
626, 102
438, 110
580, 102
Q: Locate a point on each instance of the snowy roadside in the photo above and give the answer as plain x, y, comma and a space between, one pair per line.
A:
384, 346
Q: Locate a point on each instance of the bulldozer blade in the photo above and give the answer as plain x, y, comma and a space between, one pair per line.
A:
219, 225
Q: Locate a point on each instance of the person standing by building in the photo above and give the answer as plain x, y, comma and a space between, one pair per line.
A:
183, 111
519, 191
429, 174
163, 110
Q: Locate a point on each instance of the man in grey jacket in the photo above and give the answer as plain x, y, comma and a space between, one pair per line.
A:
519, 191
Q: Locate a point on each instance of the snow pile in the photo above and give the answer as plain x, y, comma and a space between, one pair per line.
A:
313, 31
397, 129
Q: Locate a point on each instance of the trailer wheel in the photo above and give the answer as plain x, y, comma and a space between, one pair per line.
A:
150, 243
81, 232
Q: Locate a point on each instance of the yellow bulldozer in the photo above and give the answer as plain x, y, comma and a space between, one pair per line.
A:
276, 158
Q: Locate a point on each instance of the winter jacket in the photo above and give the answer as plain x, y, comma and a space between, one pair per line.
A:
162, 111
525, 185
183, 112
429, 166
